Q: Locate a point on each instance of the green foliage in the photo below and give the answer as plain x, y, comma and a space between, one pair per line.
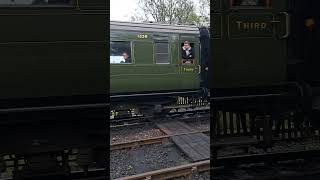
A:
171, 11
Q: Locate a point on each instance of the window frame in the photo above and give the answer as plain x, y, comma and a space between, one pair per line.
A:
267, 6
72, 4
155, 53
131, 53
180, 49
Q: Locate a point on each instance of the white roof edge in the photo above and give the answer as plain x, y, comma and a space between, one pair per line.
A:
153, 27
152, 23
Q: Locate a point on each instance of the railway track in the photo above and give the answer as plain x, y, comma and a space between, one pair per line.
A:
265, 157
268, 166
158, 152
192, 169
91, 174
186, 116
139, 120
187, 170
154, 140
282, 172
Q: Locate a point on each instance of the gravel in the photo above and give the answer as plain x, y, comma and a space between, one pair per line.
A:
144, 159
203, 176
149, 157
200, 125
134, 133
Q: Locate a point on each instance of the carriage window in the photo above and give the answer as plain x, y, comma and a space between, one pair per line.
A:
120, 52
162, 53
251, 3
35, 2
187, 53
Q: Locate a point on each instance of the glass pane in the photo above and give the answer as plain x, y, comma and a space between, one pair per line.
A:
162, 48
162, 58
254, 3
120, 52
34, 2
160, 37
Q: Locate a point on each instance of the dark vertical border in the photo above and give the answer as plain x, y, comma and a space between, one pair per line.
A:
212, 157
108, 81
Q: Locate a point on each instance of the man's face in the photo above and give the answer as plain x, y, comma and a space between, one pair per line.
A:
125, 55
186, 45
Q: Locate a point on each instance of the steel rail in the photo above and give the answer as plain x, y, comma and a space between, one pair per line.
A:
148, 141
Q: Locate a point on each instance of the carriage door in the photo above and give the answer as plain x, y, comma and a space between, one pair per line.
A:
189, 62
249, 43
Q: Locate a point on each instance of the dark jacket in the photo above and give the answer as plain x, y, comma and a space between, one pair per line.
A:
184, 54
128, 60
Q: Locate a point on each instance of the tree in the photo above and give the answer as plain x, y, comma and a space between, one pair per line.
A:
138, 17
166, 11
204, 12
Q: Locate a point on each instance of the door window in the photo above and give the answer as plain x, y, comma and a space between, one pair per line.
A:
251, 3
187, 53
35, 2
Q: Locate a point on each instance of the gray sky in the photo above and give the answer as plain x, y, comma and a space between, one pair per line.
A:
122, 10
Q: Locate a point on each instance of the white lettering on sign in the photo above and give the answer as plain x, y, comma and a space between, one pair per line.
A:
251, 25
142, 36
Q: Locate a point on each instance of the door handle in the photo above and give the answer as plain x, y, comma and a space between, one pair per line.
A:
287, 25
286, 35
199, 67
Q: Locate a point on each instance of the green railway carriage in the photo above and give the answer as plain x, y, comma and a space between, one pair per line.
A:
264, 66
156, 65
249, 43
262, 43
52, 48
53, 70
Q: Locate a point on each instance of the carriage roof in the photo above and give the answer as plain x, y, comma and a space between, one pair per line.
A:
154, 27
